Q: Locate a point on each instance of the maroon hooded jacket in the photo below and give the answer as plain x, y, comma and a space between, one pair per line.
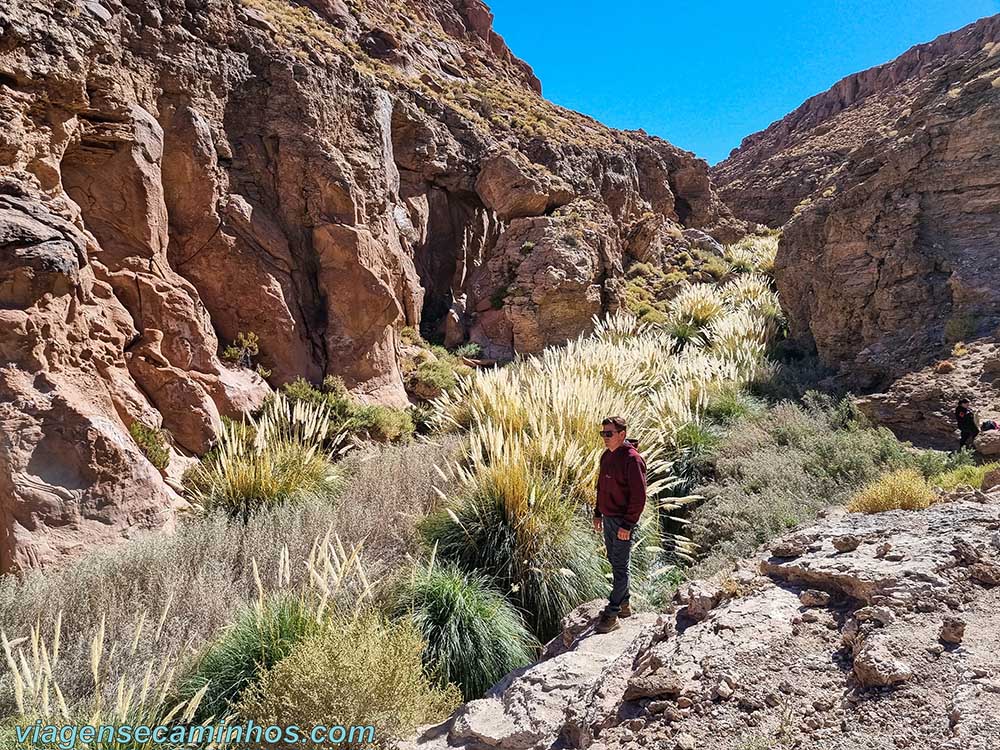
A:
621, 484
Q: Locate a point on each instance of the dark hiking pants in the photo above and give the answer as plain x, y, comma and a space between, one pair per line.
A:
967, 438
618, 555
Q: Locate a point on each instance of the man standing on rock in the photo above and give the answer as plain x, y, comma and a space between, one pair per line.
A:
966, 423
621, 496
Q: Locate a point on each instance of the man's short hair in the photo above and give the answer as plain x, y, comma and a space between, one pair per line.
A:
963, 401
617, 422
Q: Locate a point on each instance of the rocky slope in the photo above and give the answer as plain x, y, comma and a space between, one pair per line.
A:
860, 632
321, 173
890, 250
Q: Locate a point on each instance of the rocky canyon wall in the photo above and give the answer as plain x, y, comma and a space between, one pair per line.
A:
888, 187
174, 173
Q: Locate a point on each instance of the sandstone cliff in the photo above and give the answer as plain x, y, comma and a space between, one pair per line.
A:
321, 173
860, 632
890, 180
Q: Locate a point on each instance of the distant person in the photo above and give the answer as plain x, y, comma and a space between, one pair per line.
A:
621, 496
967, 424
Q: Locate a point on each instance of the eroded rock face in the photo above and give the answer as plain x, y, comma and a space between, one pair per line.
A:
321, 174
892, 247
920, 406
830, 646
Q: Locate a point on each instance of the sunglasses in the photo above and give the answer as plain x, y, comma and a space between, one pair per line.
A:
608, 433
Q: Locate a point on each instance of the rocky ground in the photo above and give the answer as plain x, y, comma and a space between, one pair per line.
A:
863, 631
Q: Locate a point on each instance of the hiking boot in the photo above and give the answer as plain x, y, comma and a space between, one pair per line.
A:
625, 611
607, 623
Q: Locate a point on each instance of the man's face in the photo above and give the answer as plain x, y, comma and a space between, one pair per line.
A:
612, 436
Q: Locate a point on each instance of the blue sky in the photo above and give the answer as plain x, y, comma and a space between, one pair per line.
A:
705, 74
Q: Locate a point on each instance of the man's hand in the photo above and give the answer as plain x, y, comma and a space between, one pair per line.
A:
624, 534
598, 524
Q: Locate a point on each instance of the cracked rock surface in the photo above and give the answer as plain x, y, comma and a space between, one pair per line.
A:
884, 654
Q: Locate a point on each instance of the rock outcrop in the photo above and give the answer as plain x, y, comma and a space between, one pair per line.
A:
920, 406
887, 187
887, 641
176, 173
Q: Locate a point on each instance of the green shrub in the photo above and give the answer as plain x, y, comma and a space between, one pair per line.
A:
527, 247
471, 350
730, 403
152, 443
436, 373
963, 476
527, 538
359, 672
958, 328
332, 394
256, 641
776, 468
498, 297
374, 422
474, 635
243, 350
410, 335
695, 438
381, 423
639, 271
903, 489
931, 462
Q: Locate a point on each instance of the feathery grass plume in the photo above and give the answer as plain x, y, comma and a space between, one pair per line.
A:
752, 290
740, 259
474, 635
734, 333
526, 481
258, 639
697, 303
903, 489
753, 253
282, 457
516, 527
39, 697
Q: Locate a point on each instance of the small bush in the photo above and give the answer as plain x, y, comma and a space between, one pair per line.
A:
729, 403
152, 443
777, 467
410, 335
931, 462
244, 348
381, 423
255, 642
639, 270
472, 350
527, 247
474, 635
958, 328
498, 297
360, 672
437, 374
903, 489
963, 476
959, 350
